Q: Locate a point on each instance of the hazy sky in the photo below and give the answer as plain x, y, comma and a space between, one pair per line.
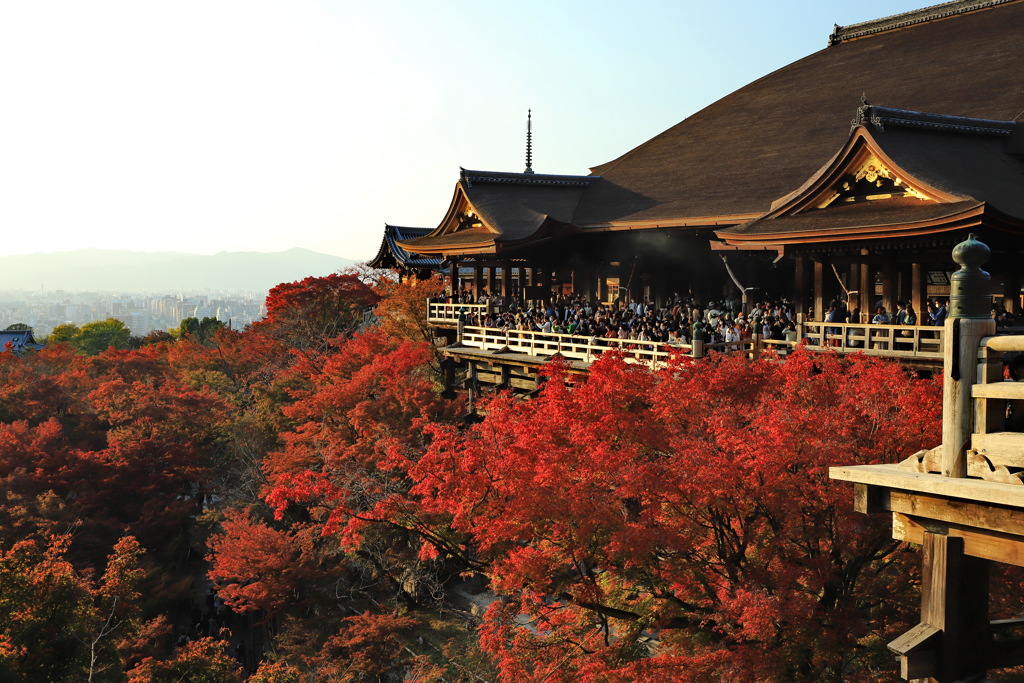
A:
211, 125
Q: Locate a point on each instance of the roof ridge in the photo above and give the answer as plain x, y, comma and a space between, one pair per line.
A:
880, 117
507, 178
904, 19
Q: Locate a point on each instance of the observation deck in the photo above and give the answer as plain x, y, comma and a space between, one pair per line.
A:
962, 501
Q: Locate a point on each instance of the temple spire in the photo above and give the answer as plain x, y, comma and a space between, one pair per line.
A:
529, 142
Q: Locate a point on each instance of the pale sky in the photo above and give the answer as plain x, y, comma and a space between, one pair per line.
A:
214, 125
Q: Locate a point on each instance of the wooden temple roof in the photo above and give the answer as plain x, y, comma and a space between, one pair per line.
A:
732, 163
901, 173
492, 210
391, 255
741, 153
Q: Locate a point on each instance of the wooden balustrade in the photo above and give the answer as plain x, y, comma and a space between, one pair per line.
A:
914, 341
895, 341
451, 313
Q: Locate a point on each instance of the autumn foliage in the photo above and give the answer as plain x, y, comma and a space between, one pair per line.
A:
676, 525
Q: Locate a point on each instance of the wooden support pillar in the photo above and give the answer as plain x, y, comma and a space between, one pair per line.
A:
587, 282
819, 291
867, 291
453, 265
492, 274
448, 365
961, 339
889, 286
853, 287
918, 290
506, 281
954, 638
478, 280
473, 388
800, 298
541, 278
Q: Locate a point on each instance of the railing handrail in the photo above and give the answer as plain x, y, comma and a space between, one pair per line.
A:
916, 341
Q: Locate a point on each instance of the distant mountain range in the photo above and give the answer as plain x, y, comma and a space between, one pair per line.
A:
100, 270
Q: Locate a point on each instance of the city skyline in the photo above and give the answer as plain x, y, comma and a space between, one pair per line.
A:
262, 126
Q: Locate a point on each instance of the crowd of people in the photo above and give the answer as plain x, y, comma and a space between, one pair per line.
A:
682, 319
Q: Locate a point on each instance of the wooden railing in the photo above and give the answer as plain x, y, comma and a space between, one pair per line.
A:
997, 442
452, 313
894, 341
587, 349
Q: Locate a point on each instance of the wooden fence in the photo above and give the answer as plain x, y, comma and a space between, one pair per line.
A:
893, 341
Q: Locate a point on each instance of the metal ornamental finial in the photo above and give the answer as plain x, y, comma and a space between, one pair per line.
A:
529, 142
970, 288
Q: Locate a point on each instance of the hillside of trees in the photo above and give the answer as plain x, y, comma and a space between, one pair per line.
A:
298, 502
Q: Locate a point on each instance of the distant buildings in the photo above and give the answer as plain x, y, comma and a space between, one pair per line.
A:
141, 313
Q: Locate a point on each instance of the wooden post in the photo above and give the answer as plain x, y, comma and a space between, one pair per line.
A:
478, 280
506, 283
453, 264
954, 599
918, 289
867, 291
800, 284
889, 286
819, 290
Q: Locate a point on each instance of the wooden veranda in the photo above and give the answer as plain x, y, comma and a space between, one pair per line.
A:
962, 501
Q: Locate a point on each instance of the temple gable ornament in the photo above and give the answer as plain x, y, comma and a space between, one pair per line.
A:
871, 181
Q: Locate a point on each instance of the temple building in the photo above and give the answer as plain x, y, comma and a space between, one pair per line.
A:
849, 174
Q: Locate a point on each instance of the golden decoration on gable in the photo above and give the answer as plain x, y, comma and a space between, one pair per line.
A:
872, 172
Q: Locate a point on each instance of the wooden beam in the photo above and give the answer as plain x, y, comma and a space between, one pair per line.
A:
893, 477
980, 543
1004, 390
966, 514
918, 649
870, 499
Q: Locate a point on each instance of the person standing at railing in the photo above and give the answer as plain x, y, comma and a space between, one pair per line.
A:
881, 317
831, 316
941, 313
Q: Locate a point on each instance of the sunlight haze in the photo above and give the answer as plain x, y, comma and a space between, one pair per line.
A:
261, 126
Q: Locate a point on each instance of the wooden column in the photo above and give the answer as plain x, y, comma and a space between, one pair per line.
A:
953, 638
453, 265
889, 285
478, 279
867, 290
492, 275
819, 291
961, 339
918, 290
587, 282
800, 284
853, 286
506, 281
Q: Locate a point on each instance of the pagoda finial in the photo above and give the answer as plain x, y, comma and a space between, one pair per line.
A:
529, 141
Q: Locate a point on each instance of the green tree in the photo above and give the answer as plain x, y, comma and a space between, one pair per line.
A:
63, 333
201, 331
18, 327
95, 337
